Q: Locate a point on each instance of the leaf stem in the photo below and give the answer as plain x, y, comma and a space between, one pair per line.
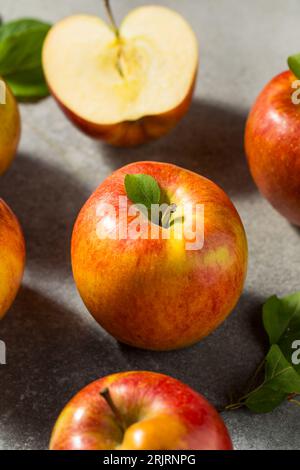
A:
296, 402
241, 401
291, 399
234, 406
251, 382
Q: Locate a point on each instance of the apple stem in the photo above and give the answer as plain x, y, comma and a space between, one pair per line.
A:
165, 220
111, 18
107, 397
117, 34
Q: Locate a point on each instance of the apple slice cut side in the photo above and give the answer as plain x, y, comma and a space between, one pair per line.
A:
125, 90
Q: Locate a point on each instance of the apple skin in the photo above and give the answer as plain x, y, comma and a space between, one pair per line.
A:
10, 130
154, 294
272, 146
159, 412
12, 257
131, 133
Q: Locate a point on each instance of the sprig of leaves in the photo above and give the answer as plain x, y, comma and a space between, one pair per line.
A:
281, 320
21, 43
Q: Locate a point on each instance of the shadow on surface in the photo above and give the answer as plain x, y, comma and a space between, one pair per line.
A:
230, 354
51, 354
46, 200
209, 141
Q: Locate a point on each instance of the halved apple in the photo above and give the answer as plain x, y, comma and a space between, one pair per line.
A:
125, 88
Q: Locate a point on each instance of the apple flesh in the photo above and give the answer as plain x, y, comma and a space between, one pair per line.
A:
10, 129
273, 146
153, 293
127, 89
146, 411
12, 257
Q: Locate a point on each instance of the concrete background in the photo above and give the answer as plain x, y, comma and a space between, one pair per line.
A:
54, 347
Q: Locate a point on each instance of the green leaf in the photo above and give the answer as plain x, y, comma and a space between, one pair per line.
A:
281, 379
21, 43
281, 318
280, 374
19, 26
285, 345
28, 85
294, 64
264, 400
281, 315
142, 189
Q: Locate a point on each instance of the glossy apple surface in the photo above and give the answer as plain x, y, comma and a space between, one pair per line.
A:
150, 412
128, 89
273, 146
156, 294
10, 128
12, 257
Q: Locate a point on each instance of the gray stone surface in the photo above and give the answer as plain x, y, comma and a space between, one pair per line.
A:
54, 346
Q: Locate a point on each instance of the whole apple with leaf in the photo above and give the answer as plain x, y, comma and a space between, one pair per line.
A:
156, 293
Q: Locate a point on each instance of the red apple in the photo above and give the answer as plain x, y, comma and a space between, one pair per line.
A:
128, 85
12, 257
136, 411
273, 146
156, 293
